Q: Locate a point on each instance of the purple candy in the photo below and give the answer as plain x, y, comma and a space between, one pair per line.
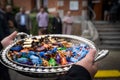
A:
58, 58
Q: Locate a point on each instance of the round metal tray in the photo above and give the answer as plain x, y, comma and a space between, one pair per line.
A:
41, 70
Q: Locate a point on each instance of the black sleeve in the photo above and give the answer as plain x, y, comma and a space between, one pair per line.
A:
5, 26
1, 46
53, 23
76, 73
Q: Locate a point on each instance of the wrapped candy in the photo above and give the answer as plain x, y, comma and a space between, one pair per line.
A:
45, 62
39, 49
43, 54
63, 61
58, 59
83, 45
62, 48
52, 62
48, 51
35, 60
22, 60
54, 50
82, 53
30, 53
73, 59
24, 50
16, 48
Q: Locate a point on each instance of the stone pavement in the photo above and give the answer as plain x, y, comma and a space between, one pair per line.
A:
111, 62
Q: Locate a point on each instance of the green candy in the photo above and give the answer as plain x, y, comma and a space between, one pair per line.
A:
61, 48
52, 62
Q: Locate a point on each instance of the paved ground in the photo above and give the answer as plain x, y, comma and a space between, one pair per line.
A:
111, 62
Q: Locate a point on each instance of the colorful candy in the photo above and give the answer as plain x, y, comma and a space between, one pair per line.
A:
58, 59
63, 61
52, 62
47, 51
16, 48
45, 62
35, 60
22, 60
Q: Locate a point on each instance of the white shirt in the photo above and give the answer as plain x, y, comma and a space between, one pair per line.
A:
22, 20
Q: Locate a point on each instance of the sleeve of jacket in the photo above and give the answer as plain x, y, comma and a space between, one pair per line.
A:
53, 23
5, 26
17, 19
30, 22
1, 47
76, 73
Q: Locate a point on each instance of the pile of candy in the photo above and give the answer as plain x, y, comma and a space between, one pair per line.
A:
47, 51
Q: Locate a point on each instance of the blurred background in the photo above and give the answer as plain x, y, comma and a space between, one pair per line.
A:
97, 20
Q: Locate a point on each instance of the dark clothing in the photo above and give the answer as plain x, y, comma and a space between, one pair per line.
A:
11, 21
10, 17
4, 75
107, 6
76, 73
57, 25
1, 46
4, 30
22, 29
90, 7
27, 22
113, 13
118, 13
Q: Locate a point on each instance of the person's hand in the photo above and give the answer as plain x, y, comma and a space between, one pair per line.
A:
88, 62
9, 39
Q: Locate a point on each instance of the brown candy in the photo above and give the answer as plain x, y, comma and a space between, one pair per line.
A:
45, 62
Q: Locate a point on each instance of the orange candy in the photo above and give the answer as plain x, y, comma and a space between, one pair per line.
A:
24, 50
63, 61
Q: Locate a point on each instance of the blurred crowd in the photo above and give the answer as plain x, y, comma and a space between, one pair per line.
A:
112, 10
21, 21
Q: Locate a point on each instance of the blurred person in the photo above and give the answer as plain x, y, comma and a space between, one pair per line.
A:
68, 21
113, 12
10, 18
118, 11
57, 24
42, 20
90, 8
84, 69
23, 21
107, 8
4, 31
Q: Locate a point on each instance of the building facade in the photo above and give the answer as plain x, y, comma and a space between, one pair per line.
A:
77, 7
